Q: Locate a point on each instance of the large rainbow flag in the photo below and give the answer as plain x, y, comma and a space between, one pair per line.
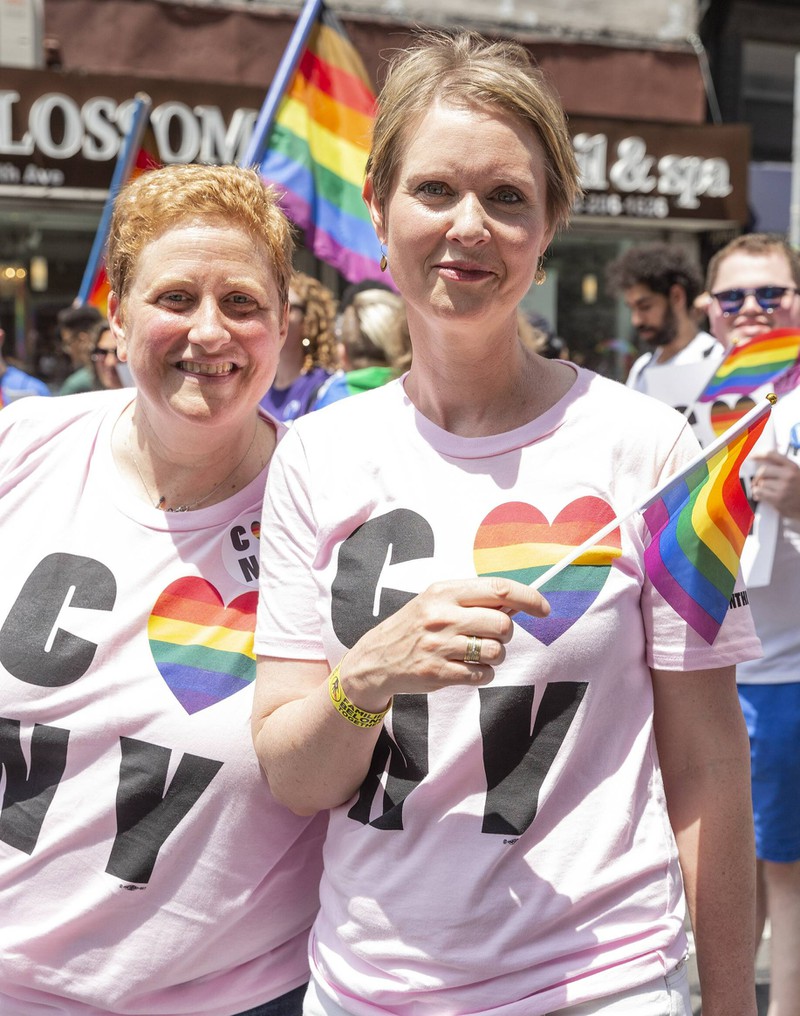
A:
99, 287
311, 142
698, 524
138, 153
753, 363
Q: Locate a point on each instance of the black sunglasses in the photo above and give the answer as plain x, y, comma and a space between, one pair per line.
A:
768, 298
100, 354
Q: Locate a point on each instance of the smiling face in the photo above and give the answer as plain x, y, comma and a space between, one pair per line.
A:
201, 326
744, 270
466, 219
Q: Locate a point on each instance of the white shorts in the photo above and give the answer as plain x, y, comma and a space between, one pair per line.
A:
663, 996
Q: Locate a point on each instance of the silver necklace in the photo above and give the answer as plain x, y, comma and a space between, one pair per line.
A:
161, 503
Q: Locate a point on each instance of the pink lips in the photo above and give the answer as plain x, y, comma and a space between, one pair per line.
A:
463, 271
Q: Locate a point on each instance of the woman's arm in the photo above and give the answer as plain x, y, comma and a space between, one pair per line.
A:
705, 763
313, 756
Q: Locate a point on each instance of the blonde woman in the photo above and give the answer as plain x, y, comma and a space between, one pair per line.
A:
374, 344
525, 793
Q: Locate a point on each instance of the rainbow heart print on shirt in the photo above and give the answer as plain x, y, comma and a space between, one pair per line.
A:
516, 540
724, 416
202, 648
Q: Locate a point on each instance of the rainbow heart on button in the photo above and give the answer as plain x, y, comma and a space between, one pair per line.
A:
203, 649
724, 416
515, 540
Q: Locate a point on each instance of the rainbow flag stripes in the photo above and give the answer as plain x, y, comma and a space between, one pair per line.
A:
698, 523
202, 648
145, 159
753, 363
515, 540
318, 151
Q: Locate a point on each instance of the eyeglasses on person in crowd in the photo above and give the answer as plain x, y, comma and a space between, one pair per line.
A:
769, 298
98, 353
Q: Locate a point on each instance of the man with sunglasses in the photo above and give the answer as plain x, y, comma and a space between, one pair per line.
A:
109, 371
75, 326
659, 283
753, 284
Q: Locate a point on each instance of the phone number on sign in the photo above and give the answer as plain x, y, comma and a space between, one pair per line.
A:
637, 205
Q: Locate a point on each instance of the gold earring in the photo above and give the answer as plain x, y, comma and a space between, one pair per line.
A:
384, 261
540, 276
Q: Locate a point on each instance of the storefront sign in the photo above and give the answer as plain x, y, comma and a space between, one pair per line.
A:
59, 128
65, 130
57, 131
652, 171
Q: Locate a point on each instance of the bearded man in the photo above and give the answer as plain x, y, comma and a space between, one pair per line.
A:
659, 284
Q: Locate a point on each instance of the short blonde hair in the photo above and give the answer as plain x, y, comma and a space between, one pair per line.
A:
375, 331
161, 199
464, 68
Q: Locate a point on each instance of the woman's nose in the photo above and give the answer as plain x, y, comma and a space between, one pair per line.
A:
209, 326
469, 221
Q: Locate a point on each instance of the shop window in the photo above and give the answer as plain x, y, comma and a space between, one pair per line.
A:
768, 70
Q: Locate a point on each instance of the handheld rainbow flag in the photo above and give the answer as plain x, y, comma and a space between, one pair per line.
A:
698, 521
787, 381
136, 156
753, 363
698, 524
311, 141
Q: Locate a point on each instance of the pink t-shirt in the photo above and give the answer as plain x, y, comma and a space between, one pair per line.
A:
509, 851
144, 866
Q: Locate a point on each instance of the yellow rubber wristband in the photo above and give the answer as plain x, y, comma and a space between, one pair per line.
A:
350, 711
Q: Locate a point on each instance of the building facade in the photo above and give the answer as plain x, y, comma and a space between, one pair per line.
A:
753, 49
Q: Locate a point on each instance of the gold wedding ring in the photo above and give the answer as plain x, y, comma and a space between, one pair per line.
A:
473, 653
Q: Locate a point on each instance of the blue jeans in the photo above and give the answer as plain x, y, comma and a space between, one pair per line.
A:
290, 1004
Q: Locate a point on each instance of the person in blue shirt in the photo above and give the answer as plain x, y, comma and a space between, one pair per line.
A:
15, 383
308, 357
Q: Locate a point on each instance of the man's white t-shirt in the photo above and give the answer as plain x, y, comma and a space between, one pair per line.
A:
702, 347
775, 604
